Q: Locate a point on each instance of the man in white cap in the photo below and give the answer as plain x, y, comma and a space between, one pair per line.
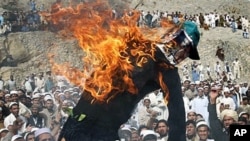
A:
199, 104
148, 135
125, 132
13, 129
49, 111
7, 99
14, 109
191, 92
158, 104
17, 138
227, 100
203, 131
144, 111
191, 115
15, 98
3, 132
237, 95
186, 83
43, 134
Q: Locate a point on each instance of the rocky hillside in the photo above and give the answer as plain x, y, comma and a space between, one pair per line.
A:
31, 49
186, 6
194, 6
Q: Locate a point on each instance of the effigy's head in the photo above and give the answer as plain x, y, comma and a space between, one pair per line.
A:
192, 30
114, 45
186, 41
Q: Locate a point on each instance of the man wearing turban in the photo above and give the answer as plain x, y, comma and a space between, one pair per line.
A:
220, 126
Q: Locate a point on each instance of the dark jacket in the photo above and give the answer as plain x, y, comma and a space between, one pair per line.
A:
38, 121
218, 132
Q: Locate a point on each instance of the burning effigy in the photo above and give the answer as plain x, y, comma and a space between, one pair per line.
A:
122, 64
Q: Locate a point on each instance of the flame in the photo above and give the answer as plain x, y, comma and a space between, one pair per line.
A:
108, 44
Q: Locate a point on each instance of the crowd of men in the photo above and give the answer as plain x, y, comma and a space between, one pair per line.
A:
33, 20
43, 101
210, 106
37, 108
225, 71
206, 21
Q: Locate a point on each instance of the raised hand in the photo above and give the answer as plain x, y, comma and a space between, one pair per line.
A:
213, 95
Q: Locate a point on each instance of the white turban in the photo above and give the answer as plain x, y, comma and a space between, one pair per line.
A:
230, 113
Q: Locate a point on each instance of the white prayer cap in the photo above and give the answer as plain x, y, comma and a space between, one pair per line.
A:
65, 91
200, 88
6, 95
57, 91
26, 135
201, 123
60, 94
146, 97
13, 92
145, 133
215, 87
190, 111
47, 93
36, 96
75, 93
12, 103
42, 131
48, 97
226, 89
34, 129
211, 84
16, 137
70, 89
186, 80
197, 82
192, 83
243, 113
3, 129
126, 127
205, 86
42, 94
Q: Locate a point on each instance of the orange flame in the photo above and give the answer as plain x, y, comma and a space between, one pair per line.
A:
105, 42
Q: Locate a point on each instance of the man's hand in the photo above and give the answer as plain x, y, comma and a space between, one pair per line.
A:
154, 114
213, 95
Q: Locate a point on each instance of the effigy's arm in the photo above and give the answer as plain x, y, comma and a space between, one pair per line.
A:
175, 104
